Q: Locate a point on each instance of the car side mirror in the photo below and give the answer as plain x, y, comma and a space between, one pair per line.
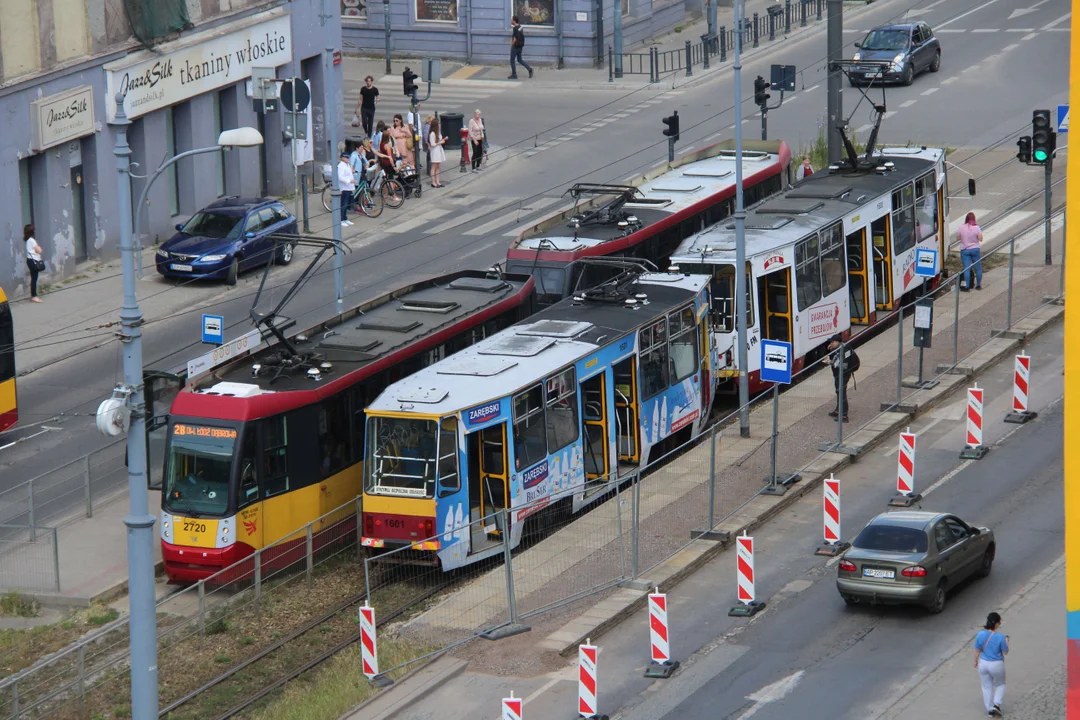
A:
974, 531
858, 45
179, 226
249, 235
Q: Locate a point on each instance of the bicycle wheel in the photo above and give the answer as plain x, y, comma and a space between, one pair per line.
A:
393, 193
327, 199
371, 204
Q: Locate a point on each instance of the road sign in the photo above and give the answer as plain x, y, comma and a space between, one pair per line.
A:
303, 95
245, 343
782, 77
213, 326
775, 361
925, 262
1063, 119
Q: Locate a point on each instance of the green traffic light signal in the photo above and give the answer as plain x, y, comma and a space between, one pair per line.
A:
1040, 155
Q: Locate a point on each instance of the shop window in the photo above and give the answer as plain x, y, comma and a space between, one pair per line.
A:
562, 419
833, 272
653, 370
26, 190
808, 272
530, 437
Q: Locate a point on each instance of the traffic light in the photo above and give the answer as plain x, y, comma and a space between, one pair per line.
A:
761, 98
672, 123
1023, 152
408, 78
1043, 137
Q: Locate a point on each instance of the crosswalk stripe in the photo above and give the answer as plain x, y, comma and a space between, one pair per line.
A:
998, 230
417, 220
955, 224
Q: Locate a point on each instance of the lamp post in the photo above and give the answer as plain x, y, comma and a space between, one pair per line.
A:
127, 405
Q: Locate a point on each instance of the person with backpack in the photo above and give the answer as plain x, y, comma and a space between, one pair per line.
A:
517, 43
841, 356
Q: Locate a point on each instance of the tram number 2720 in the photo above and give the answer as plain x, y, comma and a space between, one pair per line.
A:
191, 526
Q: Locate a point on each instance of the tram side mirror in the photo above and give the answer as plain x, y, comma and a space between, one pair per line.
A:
971, 186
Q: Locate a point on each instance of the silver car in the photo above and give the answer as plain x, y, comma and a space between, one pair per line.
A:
913, 557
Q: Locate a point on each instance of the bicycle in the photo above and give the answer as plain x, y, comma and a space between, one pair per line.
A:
370, 203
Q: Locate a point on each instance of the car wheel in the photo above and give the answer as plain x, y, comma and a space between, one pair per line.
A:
940, 596
909, 74
234, 271
285, 253
987, 563
936, 64
851, 599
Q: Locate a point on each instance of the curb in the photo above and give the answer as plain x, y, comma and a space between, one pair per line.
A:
64, 602
413, 686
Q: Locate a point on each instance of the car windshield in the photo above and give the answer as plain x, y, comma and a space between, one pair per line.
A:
198, 468
402, 456
892, 39
222, 226
891, 538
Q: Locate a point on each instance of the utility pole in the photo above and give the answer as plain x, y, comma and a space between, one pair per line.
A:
139, 521
386, 32
835, 109
1048, 194
331, 113
617, 38
740, 233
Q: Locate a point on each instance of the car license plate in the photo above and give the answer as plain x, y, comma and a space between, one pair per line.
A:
875, 573
180, 268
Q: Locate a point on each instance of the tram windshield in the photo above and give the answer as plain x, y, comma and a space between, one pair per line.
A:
198, 468
402, 456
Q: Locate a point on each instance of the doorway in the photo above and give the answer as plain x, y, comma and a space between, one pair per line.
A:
78, 213
488, 484
774, 294
857, 279
594, 429
627, 427
882, 247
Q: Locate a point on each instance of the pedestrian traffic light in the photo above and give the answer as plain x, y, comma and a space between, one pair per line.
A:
672, 123
1043, 137
1023, 152
761, 98
408, 78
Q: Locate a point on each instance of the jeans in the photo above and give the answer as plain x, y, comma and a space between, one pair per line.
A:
477, 153
346, 204
992, 676
515, 55
367, 119
33, 277
972, 256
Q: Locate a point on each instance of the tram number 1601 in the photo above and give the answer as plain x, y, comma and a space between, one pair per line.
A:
190, 526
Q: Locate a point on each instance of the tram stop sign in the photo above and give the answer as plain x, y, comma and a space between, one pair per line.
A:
295, 91
776, 362
925, 262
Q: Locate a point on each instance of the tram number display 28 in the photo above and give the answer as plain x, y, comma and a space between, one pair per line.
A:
180, 430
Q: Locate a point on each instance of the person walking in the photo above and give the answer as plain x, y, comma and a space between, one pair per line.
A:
438, 153
991, 647
347, 185
841, 356
369, 98
517, 43
970, 236
34, 262
476, 140
805, 170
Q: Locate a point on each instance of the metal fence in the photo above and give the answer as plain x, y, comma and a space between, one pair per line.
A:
29, 558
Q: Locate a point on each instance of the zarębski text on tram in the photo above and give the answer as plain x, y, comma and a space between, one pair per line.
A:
269, 442
833, 254
646, 219
550, 413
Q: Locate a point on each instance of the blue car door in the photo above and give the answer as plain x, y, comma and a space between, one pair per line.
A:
262, 245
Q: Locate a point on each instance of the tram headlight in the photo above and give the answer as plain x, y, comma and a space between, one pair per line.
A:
166, 530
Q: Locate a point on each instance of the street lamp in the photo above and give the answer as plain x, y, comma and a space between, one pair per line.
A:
237, 137
125, 411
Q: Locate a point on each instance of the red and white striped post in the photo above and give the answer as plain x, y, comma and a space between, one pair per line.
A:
833, 545
661, 665
973, 445
1021, 387
369, 654
587, 681
905, 472
511, 708
744, 570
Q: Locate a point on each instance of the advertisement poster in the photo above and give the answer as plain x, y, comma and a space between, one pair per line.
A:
437, 10
354, 9
535, 12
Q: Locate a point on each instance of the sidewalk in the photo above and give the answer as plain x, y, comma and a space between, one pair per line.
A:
1035, 667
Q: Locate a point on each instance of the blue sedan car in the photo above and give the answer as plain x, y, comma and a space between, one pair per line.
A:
227, 237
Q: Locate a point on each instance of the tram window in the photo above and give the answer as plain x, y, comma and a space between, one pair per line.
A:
562, 410
808, 272
926, 210
653, 368
903, 220
530, 437
550, 283
449, 480
247, 491
684, 351
723, 294
833, 273
401, 456
275, 469
357, 403
333, 432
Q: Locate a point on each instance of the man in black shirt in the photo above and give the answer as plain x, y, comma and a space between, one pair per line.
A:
369, 96
517, 42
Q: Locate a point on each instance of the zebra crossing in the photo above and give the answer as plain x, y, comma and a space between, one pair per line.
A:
591, 125
450, 95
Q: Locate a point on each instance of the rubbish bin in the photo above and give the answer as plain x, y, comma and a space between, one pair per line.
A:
451, 125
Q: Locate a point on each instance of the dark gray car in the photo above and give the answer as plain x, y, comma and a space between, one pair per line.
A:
908, 48
913, 557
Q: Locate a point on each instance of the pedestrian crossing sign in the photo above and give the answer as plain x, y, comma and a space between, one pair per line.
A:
1063, 119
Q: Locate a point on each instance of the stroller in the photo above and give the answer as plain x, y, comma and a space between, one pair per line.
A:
409, 179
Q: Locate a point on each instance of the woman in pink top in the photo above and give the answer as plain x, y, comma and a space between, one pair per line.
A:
970, 237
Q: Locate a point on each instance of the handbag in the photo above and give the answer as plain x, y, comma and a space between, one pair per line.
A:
355, 120
409, 144
39, 265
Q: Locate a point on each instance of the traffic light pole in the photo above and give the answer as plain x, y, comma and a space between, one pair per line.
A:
764, 122
740, 234
671, 149
1048, 194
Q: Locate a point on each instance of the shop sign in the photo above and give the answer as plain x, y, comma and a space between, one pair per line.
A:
59, 118
437, 10
158, 81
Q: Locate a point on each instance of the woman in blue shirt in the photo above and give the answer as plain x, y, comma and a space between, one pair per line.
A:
991, 647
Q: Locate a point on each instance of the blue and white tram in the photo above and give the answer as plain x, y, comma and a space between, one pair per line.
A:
561, 405
836, 250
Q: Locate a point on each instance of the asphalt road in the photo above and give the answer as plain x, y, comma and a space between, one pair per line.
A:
467, 225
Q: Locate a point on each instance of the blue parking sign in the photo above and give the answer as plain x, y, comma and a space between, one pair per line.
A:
775, 362
213, 329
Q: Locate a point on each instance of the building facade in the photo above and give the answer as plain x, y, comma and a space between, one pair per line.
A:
184, 67
575, 32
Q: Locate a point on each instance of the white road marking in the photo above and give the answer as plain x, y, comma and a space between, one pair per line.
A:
730, 127
931, 91
907, 103
1030, 35
1007, 48
1063, 18
488, 226
973, 68
1038, 235
949, 81
812, 88
920, 11
955, 224
985, 30
1021, 12
1014, 218
964, 15
1064, 29
714, 136
1023, 30
771, 693
950, 30
864, 128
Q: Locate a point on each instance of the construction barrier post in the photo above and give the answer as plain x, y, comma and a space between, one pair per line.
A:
833, 545
744, 568
369, 653
905, 473
973, 447
587, 656
661, 665
1021, 385
511, 708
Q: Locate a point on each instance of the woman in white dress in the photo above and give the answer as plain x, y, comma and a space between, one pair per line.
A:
438, 153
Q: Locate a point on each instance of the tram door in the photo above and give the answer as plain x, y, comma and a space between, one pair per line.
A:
627, 427
488, 483
594, 429
774, 297
857, 276
882, 248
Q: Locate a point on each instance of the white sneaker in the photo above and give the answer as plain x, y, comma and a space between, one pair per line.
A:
346, 223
